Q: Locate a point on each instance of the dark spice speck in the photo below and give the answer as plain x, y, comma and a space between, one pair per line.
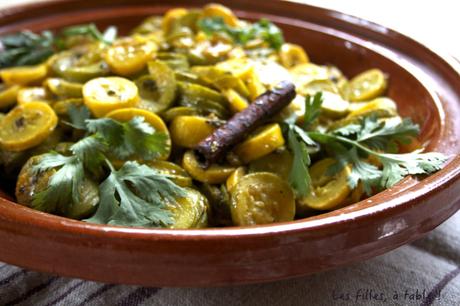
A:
20, 122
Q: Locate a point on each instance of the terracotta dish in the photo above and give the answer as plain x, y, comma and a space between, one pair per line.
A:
425, 84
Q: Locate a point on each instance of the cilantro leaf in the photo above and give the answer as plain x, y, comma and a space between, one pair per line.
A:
269, 33
92, 31
49, 161
361, 170
380, 135
394, 166
63, 184
303, 135
25, 48
83, 29
90, 150
370, 137
78, 116
354, 143
312, 108
135, 138
133, 195
348, 130
136, 195
216, 24
299, 143
263, 29
299, 177
28, 48
398, 166
385, 135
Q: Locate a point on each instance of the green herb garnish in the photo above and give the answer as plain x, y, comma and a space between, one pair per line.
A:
63, 185
354, 143
263, 29
133, 139
312, 109
370, 139
298, 142
133, 195
299, 177
92, 31
28, 48
78, 117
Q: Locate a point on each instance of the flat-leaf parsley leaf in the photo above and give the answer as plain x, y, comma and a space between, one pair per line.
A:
263, 29
134, 195
353, 144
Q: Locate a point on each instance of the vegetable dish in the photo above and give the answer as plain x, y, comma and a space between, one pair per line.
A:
195, 119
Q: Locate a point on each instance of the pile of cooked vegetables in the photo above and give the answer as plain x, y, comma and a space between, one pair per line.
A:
195, 119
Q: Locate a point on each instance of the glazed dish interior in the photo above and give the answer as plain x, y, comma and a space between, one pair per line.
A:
407, 87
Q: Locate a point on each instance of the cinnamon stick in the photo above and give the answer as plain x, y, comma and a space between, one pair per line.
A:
213, 148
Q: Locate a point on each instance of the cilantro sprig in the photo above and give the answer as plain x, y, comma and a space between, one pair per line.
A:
353, 144
133, 139
29, 48
263, 29
394, 166
133, 195
384, 135
298, 143
91, 30
312, 109
26, 48
63, 185
299, 177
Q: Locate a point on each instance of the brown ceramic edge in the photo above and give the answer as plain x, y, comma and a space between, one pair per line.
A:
445, 177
